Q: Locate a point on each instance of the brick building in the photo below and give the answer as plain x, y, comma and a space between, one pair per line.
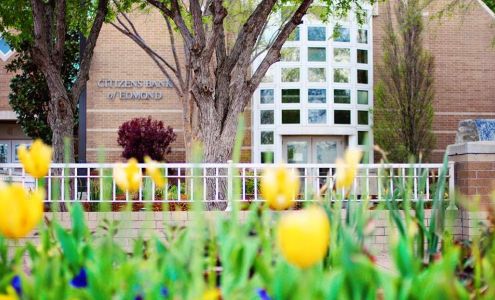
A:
311, 105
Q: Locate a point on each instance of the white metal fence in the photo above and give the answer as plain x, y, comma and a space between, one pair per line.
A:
94, 182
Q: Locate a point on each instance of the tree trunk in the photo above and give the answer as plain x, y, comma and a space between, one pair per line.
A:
61, 120
218, 142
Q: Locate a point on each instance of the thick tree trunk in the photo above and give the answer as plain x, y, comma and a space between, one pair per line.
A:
217, 148
61, 120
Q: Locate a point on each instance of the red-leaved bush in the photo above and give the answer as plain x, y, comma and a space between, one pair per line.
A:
143, 136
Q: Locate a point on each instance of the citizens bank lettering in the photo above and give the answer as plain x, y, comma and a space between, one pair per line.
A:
126, 89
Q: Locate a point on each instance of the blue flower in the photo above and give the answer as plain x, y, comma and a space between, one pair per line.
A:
16, 284
164, 292
80, 280
263, 294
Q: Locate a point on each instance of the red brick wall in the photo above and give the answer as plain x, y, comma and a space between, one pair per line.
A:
118, 57
461, 43
476, 178
5, 85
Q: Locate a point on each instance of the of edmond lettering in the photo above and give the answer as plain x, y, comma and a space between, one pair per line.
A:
134, 84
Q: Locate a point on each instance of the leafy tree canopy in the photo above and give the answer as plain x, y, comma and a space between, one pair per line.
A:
490, 4
29, 95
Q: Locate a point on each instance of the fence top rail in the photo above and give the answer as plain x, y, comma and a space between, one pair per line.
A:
235, 165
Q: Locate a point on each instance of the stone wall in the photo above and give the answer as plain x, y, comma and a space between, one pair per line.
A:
132, 225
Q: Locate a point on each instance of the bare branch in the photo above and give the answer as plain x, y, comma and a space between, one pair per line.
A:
174, 53
176, 15
273, 54
216, 39
60, 31
249, 33
89, 47
41, 29
159, 61
199, 31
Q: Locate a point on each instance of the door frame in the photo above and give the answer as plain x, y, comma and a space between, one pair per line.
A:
312, 140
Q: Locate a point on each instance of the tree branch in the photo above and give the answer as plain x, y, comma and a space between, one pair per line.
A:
273, 54
41, 30
87, 53
60, 32
249, 33
174, 53
199, 31
216, 39
175, 15
133, 34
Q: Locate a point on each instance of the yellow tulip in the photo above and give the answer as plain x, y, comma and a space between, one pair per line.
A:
36, 161
279, 187
303, 236
11, 294
154, 172
347, 168
20, 210
212, 294
128, 176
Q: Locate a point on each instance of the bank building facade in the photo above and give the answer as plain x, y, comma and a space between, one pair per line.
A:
311, 105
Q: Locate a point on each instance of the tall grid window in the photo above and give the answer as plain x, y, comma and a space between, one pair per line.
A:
323, 80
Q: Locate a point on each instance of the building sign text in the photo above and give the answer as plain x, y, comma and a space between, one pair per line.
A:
133, 89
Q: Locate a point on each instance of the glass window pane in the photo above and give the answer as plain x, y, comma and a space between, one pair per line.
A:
267, 137
326, 152
316, 75
290, 116
269, 76
362, 56
4, 47
317, 54
342, 55
362, 36
317, 96
317, 116
362, 136
297, 152
266, 117
341, 75
342, 96
266, 96
363, 117
317, 34
4, 152
289, 54
362, 97
267, 157
290, 74
342, 34
294, 36
342, 117
291, 96
362, 76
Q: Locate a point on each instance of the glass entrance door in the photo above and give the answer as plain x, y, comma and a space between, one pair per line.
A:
313, 150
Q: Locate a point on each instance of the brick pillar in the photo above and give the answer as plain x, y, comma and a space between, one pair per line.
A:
474, 177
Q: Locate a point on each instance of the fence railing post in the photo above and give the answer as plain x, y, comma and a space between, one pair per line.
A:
451, 206
230, 185
310, 178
